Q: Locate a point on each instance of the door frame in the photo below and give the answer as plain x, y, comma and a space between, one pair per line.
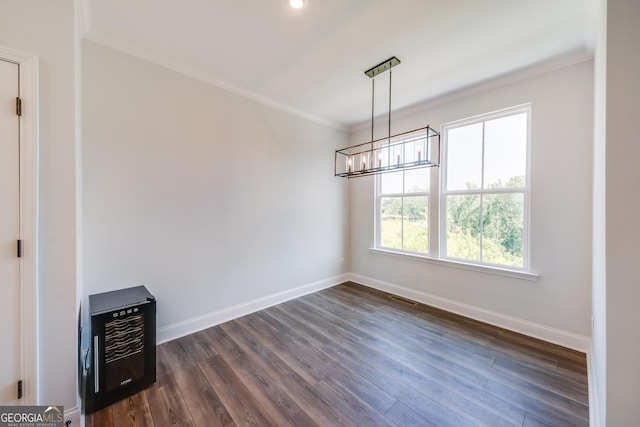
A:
29, 137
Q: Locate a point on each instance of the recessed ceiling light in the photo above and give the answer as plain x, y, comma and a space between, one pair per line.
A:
297, 4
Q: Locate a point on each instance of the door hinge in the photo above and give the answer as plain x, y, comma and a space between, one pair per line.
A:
19, 106
19, 248
20, 389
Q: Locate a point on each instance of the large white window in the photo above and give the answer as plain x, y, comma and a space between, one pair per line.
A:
485, 189
481, 202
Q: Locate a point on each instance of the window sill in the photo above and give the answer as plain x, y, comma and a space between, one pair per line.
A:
518, 274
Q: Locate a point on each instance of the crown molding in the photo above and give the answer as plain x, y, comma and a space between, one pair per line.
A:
534, 70
199, 74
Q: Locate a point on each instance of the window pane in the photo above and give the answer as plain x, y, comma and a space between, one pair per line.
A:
416, 180
416, 219
391, 222
463, 227
503, 228
505, 152
464, 157
391, 183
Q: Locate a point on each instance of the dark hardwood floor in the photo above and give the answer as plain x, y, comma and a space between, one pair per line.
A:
352, 356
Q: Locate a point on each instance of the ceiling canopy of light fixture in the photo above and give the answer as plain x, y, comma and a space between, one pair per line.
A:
408, 150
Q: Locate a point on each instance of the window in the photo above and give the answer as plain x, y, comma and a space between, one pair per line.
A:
484, 189
403, 210
481, 204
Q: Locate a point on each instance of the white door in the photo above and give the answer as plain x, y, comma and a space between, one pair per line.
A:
9, 234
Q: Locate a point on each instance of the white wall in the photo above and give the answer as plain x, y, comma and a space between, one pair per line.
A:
207, 198
622, 206
561, 173
46, 29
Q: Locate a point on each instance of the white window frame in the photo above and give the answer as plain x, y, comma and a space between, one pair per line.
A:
443, 193
437, 206
378, 220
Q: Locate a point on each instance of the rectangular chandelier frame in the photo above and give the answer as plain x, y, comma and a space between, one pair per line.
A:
407, 150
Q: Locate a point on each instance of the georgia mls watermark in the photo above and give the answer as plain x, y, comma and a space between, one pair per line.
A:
31, 416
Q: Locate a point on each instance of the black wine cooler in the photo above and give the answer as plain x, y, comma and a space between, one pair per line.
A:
122, 355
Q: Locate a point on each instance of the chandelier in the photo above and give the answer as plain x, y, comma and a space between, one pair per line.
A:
403, 151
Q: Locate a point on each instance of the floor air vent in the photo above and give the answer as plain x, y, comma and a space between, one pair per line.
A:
403, 300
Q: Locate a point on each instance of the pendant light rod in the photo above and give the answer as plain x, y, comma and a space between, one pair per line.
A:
373, 97
372, 73
389, 104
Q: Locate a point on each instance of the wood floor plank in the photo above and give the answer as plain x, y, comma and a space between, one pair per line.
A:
387, 323
235, 396
546, 379
198, 346
531, 392
487, 401
472, 329
369, 392
575, 368
351, 405
102, 418
474, 405
434, 411
294, 350
354, 356
468, 330
120, 416
165, 415
433, 391
502, 350
133, 411
203, 402
276, 402
403, 415
502, 403
468, 408
171, 358
261, 354
421, 358
255, 378
169, 408
314, 403
553, 412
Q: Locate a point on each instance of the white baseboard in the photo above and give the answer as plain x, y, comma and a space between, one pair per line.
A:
186, 327
545, 333
535, 330
72, 415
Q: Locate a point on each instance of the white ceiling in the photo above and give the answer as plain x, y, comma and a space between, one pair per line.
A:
312, 61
